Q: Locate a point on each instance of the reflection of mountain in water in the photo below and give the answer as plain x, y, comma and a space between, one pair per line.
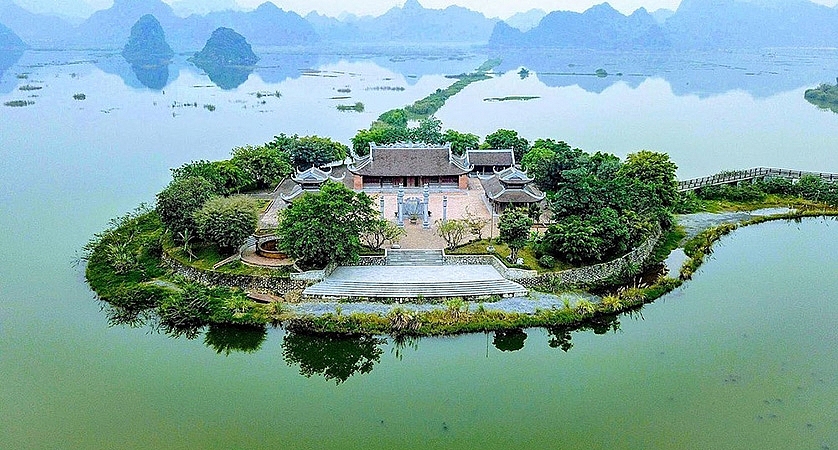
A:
139, 75
226, 77
761, 74
7, 60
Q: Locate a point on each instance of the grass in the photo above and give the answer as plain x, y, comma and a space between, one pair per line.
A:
29, 87
209, 107
19, 103
385, 88
357, 107
79, 96
668, 242
770, 201
522, 98
207, 256
502, 251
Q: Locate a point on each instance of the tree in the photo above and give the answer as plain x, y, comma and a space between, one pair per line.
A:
514, 230
177, 203
452, 230
573, 240
323, 228
460, 142
314, 151
227, 221
266, 166
226, 177
394, 118
381, 231
475, 224
429, 131
656, 171
503, 139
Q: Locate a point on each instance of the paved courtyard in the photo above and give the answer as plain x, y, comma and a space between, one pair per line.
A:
439, 274
459, 203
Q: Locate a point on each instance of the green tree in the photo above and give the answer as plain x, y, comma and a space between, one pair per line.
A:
514, 230
266, 166
177, 203
452, 230
429, 131
573, 240
381, 231
323, 228
657, 172
503, 139
394, 118
460, 142
330, 356
227, 221
315, 151
226, 177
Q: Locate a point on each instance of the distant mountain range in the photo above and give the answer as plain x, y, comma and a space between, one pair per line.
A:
412, 23
697, 24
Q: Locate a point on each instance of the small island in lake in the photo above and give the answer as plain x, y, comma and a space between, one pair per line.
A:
147, 44
225, 48
824, 97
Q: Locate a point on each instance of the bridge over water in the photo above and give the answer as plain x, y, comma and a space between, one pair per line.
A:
757, 173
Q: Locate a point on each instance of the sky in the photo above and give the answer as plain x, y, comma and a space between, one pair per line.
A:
491, 8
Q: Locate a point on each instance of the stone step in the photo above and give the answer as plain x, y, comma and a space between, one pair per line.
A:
474, 288
414, 258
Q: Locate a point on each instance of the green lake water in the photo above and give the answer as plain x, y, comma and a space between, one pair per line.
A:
744, 356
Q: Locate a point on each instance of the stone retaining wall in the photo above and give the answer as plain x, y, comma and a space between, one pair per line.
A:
598, 273
488, 260
366, 261
265, 285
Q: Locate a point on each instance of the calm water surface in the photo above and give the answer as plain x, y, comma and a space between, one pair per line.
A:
745, 356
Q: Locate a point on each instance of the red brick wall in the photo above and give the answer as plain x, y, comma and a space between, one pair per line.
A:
358, 182
463, 182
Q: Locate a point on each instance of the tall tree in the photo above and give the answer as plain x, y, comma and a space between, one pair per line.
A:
323, 228
503, 139
514, 230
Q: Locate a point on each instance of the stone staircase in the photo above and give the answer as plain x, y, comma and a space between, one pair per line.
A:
360, 289
414, 257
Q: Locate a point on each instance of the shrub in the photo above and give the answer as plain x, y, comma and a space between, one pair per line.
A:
547, 261
227, 222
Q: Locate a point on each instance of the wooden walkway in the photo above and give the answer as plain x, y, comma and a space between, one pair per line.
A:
757, 173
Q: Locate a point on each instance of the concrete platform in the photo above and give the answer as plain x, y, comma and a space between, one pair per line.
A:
404, 282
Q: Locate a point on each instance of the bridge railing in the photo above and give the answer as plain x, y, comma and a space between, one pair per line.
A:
751, 174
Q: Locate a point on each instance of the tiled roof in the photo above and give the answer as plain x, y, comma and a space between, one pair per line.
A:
499, 191
495, 158
410, 160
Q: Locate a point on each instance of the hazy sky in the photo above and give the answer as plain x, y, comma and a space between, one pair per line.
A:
491, 8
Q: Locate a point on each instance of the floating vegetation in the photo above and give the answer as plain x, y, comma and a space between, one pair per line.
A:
357, 107
19, 103
343, 97
23, 76
209, 107
203, 86
261, 94
29, 87
523, 73
110, 110
79, 96
384, 88
345, 90
509, 98
74, 75
824, 97
602, 73
184, 105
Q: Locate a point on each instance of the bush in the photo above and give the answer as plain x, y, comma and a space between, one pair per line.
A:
227, 222
177, 204
547, 261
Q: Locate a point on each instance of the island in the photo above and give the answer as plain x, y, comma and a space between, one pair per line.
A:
147, 44
307, 233
227, 58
